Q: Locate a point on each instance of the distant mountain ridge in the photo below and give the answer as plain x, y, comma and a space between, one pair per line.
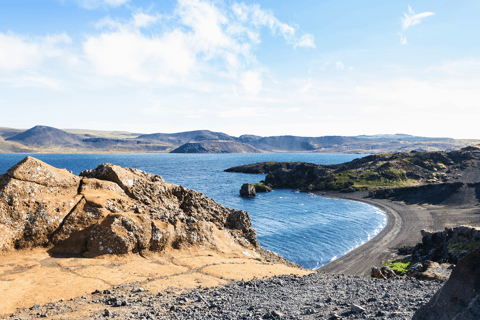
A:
52, 140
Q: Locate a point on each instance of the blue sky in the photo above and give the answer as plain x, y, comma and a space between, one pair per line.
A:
306, 68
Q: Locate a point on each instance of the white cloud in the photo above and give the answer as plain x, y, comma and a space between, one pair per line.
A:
251, 82
403, 39
254, 15
92, 4
412, 19
142, 20
306, 41
339, 65
141, 58
202, 39
19, 53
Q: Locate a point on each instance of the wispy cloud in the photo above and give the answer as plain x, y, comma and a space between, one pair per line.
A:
403, 39
339, 65
306, 41
92, 4
412, 18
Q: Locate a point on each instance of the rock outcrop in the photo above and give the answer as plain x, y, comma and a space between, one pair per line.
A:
449, 245
109, 210
247, 190
393, 171
459, 298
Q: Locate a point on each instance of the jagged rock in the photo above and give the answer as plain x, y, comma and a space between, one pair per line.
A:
109, 210
377, 273
459, 298
429, 270
247, 190
449, 245
383, 273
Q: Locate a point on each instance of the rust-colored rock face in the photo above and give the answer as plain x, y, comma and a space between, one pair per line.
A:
109, 210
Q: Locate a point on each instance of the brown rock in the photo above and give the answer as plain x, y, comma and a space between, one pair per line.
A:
459, 298
109, 210
377, 273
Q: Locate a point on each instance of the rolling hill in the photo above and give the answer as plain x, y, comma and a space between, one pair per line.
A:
44, 139
47, 136
216, 146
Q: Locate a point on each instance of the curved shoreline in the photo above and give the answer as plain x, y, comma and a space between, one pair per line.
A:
403, 228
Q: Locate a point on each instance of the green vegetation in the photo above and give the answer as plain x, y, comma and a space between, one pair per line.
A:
259, 185
461, 244
270, 162
441, 165
408, 160
259, 259
398, 179
400, 265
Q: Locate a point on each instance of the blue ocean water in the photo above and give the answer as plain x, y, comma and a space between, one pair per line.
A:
308, 229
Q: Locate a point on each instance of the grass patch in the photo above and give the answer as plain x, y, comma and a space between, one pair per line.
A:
441, 165
270, 162
400, 265
340, 178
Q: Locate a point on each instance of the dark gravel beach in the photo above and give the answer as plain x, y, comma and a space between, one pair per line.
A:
316, 296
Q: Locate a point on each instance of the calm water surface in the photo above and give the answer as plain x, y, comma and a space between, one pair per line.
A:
307, 229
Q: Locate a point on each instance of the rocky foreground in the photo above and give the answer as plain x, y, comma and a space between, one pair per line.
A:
314, 296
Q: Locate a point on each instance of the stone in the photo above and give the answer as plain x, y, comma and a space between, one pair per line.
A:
356, 309
459, 298
247, 190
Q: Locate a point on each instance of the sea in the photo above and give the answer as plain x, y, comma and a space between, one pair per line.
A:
305, 228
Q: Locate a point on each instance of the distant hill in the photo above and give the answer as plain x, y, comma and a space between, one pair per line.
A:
216, 147
6, 133
184, 137
294, 143
43, 139
398, 136
103, 134
47, 136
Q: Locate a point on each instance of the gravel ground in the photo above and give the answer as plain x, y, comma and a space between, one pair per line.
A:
316, 296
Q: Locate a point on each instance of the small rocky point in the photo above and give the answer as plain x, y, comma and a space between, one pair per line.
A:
109, 210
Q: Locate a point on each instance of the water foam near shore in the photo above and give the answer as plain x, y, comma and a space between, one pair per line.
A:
308, 229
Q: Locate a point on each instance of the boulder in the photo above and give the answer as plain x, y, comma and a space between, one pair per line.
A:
459, 298
383, 273
248, 190
109, 210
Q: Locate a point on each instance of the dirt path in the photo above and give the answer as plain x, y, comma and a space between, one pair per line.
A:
403, 229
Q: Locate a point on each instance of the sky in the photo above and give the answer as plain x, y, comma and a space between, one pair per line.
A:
271, 67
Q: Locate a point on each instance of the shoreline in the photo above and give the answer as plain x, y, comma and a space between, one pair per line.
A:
404, 225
